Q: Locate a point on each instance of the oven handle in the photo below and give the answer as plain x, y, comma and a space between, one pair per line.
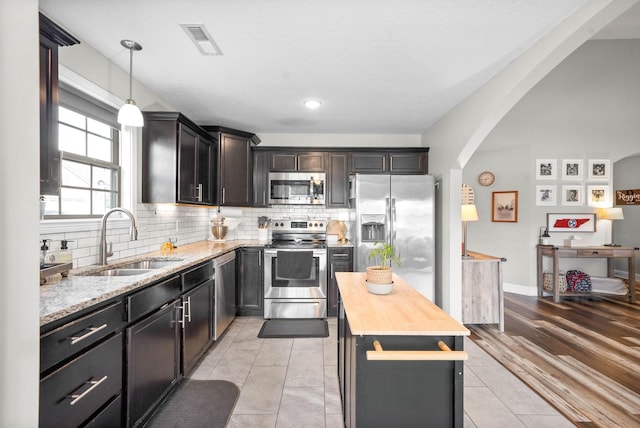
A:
316, 251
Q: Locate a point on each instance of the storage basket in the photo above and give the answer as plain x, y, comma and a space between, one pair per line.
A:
547, 281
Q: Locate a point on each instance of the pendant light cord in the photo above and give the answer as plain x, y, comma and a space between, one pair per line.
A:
131, 73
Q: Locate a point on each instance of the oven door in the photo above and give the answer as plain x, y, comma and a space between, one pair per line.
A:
295, 283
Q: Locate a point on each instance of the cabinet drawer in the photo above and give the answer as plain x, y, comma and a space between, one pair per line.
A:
153, 297
77, 335
340, 255
586, 252
76, 391
197, 275
109, 417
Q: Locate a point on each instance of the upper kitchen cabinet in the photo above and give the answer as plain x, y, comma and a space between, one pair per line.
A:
234, 166
397, 161
260, 178
337, 180
297, 161
177, 160
51, 38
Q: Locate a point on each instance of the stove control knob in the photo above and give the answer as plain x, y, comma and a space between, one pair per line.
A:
321, 225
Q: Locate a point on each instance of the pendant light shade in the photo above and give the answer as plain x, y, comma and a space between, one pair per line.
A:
129, 113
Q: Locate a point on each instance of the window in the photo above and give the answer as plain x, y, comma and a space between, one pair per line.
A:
88, 140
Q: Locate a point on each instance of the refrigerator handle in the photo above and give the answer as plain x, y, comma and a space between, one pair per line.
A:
387, 210
394, 219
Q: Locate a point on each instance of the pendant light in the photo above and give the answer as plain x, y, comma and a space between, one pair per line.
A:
129, 113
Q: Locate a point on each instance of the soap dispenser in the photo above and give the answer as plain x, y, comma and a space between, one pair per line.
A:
43, 253
65, 255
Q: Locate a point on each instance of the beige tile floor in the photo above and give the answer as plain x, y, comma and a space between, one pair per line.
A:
293, 383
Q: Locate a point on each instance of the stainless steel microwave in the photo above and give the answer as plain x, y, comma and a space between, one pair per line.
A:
296, 188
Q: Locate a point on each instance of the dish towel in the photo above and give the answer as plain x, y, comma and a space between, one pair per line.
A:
294, 264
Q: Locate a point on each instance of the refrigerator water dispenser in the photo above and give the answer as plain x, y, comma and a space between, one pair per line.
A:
373, 229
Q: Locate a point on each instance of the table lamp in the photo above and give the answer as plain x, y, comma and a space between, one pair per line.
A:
612, 214
469, 213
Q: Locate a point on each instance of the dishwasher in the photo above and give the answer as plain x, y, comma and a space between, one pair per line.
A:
224, 268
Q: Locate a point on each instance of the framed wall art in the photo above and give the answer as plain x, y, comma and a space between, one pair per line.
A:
546, 169
598, 169
571, 222
598, 196
505, 206
572, 195
546, 194
572, 169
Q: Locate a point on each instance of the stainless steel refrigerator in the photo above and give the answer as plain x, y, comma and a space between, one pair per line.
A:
397, 209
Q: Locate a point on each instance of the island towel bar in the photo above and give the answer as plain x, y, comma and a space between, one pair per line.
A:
445, 354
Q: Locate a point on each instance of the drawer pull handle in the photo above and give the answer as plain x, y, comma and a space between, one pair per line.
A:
92, 330
595, 252
94, 384
342, 255
445, 354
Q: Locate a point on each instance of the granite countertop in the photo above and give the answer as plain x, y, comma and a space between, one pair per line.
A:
65, 296
403, 312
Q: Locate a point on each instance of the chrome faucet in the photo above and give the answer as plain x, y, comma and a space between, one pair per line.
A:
133, 233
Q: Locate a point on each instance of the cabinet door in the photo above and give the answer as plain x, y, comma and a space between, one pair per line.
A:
196, 321
340, 260
204, 169
49, 153
187, 149
311, 162
250, 282
338, 181
153, 346
260, 176
284, 162
408, 163
368, 163
234, 170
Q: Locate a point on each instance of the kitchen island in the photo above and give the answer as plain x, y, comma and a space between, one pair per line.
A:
400, 357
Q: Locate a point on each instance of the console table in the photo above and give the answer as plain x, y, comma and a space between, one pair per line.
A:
482, 291
610, 253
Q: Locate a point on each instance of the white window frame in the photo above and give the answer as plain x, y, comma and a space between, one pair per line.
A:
129, 138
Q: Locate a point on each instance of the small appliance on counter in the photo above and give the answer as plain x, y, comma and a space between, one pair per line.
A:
336, 231
218, 229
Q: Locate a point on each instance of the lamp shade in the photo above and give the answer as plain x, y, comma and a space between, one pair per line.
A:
469, 213
130, 114
612, 214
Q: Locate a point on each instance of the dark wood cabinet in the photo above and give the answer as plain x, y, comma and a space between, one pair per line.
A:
51, 38
153, 360
196, 315
73, 393
337, 180
260, 190
340, 259
250, 293
177, 160
234, 166
405, 161
196, 322
297, 161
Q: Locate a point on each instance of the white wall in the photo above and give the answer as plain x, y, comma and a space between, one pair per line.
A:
586, 108
19, 215
626, 175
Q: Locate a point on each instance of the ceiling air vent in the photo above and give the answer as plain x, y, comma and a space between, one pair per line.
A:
202, 39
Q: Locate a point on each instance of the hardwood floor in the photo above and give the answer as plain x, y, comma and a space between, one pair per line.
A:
582, 355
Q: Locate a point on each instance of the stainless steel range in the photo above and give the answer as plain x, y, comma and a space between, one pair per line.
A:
295, 269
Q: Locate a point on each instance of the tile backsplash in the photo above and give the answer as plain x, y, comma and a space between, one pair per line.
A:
157, 223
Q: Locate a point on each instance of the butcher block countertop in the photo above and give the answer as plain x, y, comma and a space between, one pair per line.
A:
404, 311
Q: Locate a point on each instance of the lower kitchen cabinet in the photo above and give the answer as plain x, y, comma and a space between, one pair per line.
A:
153, 356
196, 322
250, 293
339, 260
84, 389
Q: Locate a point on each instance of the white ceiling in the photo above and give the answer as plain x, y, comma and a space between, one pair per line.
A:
378, 66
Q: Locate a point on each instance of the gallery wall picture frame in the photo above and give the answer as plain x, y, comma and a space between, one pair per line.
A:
599, 169
546, 194
504, 206
571, 222
598, 196
572, 195
546, 169
572, 169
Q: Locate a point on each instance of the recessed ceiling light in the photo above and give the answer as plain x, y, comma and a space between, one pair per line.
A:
312, 104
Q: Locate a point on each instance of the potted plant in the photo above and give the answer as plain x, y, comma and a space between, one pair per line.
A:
384, 255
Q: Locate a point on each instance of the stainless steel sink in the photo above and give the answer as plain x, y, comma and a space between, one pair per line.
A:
150, 264
120, 272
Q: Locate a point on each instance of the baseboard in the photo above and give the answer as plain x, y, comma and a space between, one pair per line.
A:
520, 289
